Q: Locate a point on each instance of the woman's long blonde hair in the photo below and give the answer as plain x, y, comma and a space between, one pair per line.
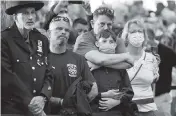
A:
125, 31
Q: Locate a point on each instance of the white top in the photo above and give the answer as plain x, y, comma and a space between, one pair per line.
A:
141, 84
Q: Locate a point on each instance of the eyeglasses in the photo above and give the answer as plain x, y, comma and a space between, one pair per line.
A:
104, 10
59, 18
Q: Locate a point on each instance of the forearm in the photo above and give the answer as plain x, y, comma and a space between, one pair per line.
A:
93, 93
102, 59
48, 84
111, 59
121, 65
49, 16
105, 95
56, 101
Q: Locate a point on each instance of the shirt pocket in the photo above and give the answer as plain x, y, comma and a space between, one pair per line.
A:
19, 60
20, 64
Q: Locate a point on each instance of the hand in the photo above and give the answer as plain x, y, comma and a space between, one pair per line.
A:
41, 114
57, 101
108, 103
87, 7
37, 104
110, 93
60, 4
92, 66
129, 58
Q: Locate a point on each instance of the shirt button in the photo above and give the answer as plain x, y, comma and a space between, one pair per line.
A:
53, 67
34, 79
33, 68
18, 60
49, 88
34, 91
31, 58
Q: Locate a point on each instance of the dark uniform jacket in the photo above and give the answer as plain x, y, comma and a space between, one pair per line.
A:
24, 70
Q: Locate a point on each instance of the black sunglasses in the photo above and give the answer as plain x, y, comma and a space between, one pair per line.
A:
104, 11
59, 18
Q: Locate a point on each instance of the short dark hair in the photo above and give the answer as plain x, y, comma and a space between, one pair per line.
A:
106, 34
79, 20
103, 10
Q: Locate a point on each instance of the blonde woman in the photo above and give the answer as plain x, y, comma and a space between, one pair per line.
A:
145, 70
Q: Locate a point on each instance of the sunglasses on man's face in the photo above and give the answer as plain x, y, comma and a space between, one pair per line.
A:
59, 18
104, 10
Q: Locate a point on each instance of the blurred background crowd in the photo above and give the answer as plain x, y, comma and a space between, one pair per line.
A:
159, 17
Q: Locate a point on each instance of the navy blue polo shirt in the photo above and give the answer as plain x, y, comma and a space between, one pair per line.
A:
68, 67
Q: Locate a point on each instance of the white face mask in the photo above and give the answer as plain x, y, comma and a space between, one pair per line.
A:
108, 50
106, 45
136, 39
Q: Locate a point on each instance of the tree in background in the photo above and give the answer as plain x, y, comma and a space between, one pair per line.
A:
6, 20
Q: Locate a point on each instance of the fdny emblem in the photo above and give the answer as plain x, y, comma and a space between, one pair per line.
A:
72, 70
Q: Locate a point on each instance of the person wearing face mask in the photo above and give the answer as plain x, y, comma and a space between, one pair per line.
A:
113, 84
85, 44
145, 70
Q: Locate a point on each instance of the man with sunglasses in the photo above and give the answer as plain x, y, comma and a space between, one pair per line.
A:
102, 19
68, 67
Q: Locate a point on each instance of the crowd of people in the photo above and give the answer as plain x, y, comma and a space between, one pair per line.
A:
87, 67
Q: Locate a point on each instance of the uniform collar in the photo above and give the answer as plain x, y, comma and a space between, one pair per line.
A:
16, 31
18, 38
